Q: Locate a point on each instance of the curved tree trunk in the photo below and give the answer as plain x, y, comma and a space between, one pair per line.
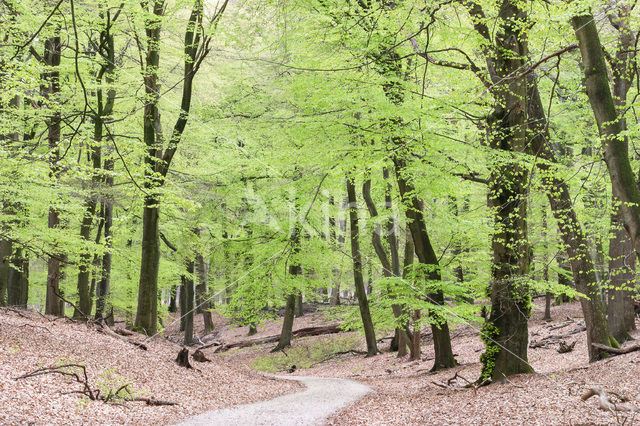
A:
614, 142
363, 302
426, 255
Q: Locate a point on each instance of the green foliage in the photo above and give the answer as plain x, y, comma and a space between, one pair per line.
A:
306, 355
488, 334
294, 95
114, 387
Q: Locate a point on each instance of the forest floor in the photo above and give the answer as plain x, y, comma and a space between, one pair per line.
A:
29, 341
406, 392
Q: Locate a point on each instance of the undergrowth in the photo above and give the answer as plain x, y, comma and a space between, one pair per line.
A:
306, 355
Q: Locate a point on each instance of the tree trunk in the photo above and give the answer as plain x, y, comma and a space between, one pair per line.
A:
158, 162
299, 308
6, 248
622, 280
390, 264
342, 230
187, 313
287, 323
571, 231
621, 254
614, 141
18, 280
426, 255
202, 293
103, 289
50, 90
363, 302
147, 312
173, 306
564, 268
289, 311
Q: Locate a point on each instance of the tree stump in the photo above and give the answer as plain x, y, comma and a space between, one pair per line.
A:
183, 358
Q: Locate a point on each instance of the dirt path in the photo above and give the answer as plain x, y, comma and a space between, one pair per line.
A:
312, 406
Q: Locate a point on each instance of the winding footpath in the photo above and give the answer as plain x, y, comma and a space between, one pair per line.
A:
312, 406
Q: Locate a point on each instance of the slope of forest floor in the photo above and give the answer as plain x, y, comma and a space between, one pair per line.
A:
29, 341
406, 392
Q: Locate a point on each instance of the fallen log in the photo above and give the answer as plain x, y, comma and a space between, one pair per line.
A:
555, 338
302, 332
616, 351
108, 331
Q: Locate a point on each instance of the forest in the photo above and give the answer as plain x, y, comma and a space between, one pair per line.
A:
432, 205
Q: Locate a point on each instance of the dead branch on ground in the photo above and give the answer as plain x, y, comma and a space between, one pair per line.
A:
606, 402
616, 351
78, 373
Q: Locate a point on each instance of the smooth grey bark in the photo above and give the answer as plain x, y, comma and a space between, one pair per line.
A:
390, 262
614, 141
622, 280
204, 305
363, 302
189, 306
289, 311
571, 231
426, 255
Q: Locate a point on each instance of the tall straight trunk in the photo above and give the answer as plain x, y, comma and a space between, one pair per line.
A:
157, 160
18, 280
6, 248
187, 313
363, 302
11, 276
426, 255
84, 268
103, 289
299, 308
505, 332
50, 90
104, 109
342, 231
182, 301
545, 266
289, 311
147, 311
333, 242
202, 293
412, 340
